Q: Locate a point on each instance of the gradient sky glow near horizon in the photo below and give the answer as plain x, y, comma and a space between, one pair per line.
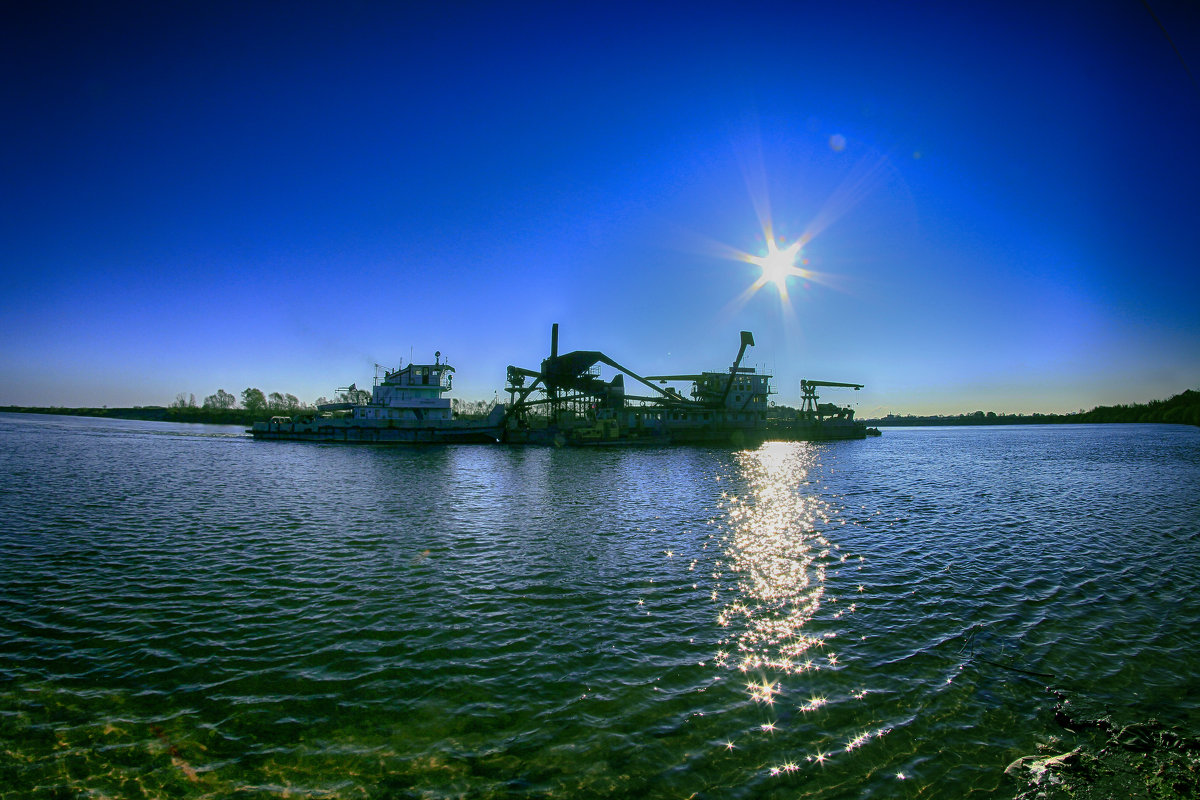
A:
998, 203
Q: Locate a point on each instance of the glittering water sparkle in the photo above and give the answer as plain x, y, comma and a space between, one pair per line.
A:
187, 613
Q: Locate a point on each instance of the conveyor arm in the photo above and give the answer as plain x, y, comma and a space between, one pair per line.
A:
747, 341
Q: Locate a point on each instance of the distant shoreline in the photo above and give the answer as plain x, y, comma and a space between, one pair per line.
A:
1182, 409
152, 413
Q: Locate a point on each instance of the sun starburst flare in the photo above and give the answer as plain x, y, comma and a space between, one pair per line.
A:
777, 266
781, 263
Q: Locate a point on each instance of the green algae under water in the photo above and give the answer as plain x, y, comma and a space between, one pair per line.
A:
188, 613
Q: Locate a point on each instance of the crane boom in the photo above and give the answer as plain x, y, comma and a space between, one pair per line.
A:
747, 341
854, 386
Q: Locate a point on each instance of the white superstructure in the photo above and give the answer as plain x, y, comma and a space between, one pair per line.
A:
411, 393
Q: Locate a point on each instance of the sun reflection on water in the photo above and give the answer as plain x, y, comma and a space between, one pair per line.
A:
772, 579
777, 612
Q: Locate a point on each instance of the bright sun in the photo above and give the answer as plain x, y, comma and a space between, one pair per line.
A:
777, 265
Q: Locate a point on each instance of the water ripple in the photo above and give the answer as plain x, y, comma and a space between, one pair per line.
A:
199, 615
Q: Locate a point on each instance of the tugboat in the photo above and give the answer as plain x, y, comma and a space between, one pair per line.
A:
407, 407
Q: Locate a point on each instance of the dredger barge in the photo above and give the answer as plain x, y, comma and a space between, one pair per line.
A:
567, 403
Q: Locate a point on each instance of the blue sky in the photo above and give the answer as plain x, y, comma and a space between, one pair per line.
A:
998, 200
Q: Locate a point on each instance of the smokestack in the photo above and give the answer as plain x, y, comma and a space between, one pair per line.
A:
554, 341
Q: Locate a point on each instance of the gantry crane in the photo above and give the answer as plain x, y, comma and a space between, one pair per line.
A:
808, 402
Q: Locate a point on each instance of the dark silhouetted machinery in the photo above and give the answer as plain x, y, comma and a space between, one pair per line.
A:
568, 402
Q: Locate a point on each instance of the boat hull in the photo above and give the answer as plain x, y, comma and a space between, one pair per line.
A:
388, 432
815, 430
713, 434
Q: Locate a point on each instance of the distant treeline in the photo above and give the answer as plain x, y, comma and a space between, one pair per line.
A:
236, 416
223, 408
1182, 409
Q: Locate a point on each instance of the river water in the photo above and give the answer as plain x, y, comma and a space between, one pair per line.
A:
185, 612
